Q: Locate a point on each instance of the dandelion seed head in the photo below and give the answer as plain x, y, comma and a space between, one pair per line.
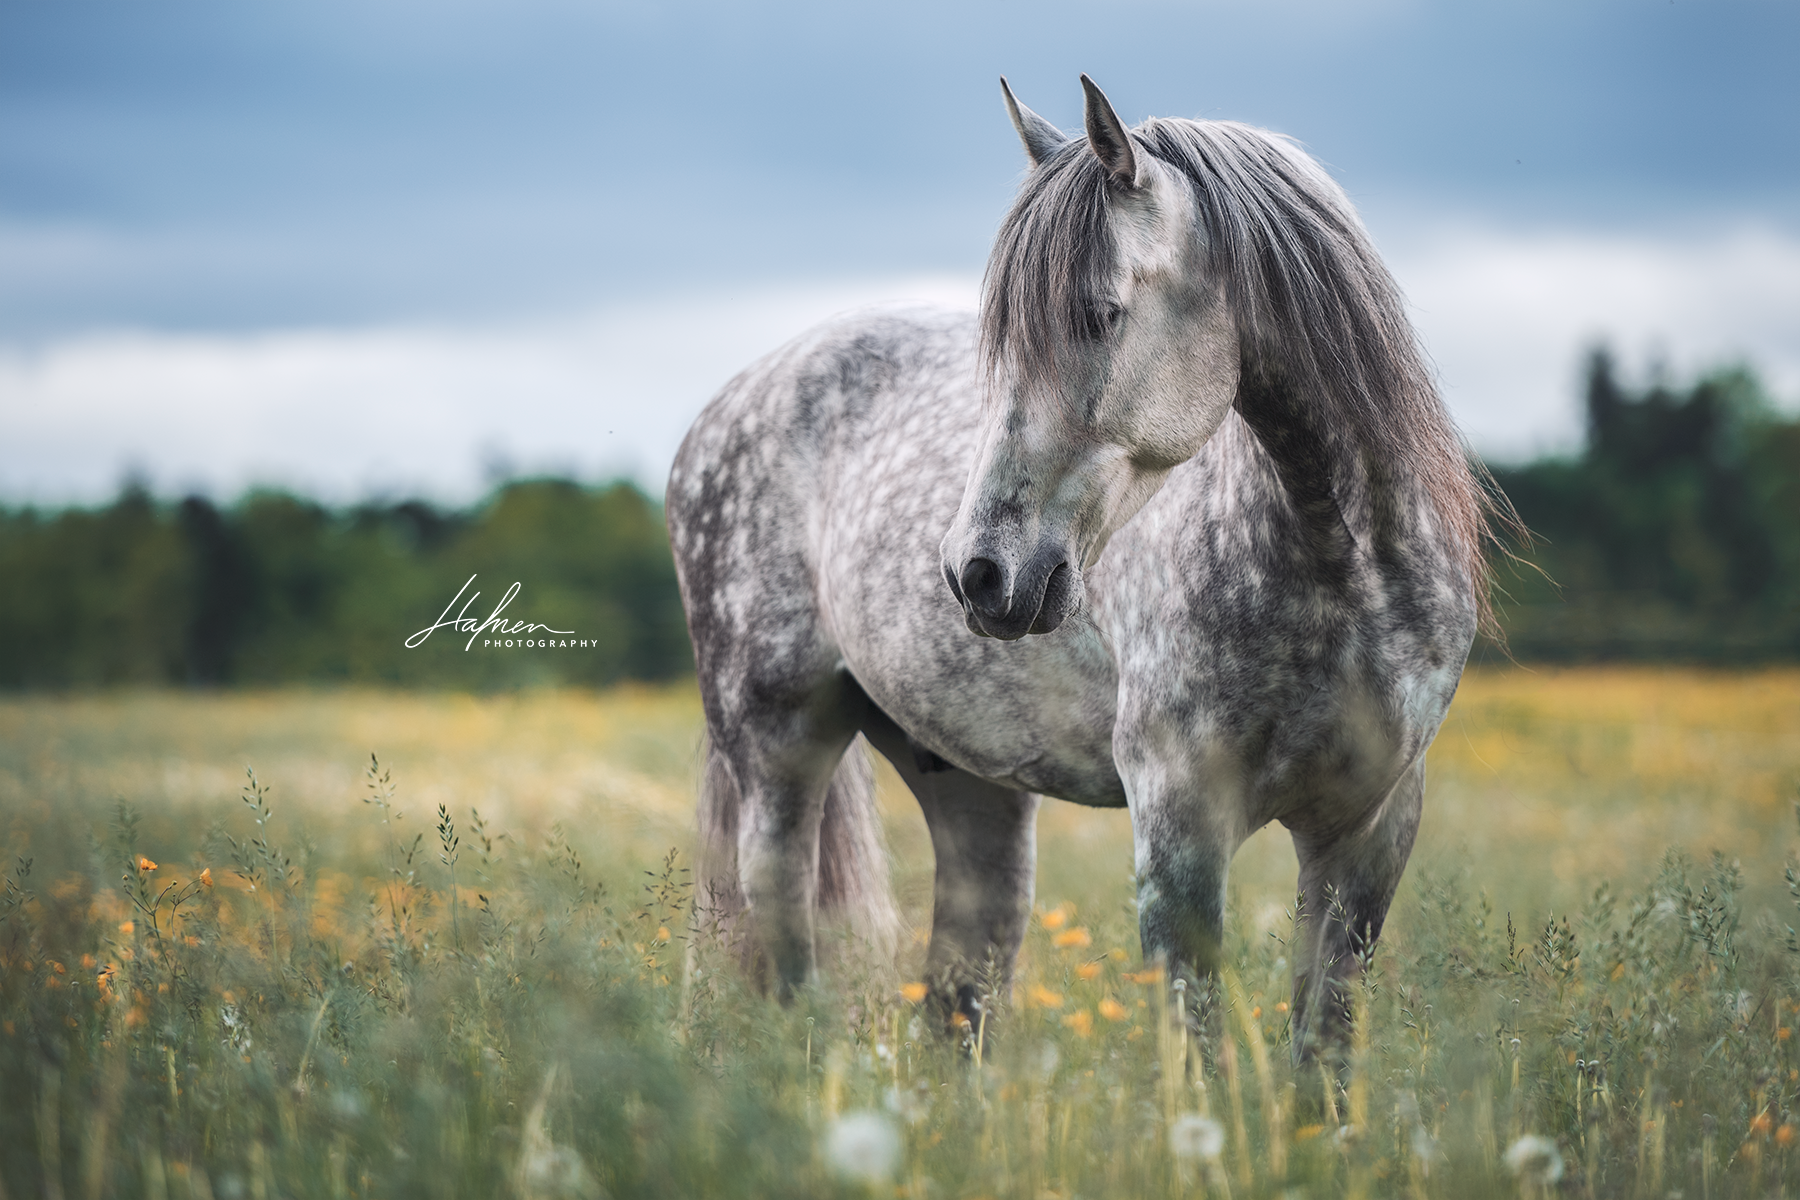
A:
863, 1147
557, 1171
1534, 1159
1196, 1138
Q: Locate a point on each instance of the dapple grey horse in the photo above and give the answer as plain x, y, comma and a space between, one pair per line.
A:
1178, 524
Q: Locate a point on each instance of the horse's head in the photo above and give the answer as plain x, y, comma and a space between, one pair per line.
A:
1111, 356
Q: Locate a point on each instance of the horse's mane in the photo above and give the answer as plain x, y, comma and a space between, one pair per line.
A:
1316, 310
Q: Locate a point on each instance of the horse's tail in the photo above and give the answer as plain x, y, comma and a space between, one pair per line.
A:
853, 863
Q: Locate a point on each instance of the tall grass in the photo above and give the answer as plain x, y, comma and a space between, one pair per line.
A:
478, 969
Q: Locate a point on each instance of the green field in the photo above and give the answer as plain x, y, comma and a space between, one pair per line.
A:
482, 977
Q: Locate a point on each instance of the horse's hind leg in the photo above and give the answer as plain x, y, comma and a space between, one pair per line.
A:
780, 757
1347, 881
984, 838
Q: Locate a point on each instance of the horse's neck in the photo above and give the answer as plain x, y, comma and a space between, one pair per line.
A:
1343, 500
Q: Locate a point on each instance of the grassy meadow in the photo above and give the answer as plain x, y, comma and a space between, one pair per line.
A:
473, 968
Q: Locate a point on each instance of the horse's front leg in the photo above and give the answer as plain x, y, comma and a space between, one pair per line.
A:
1186, 823
1347, 880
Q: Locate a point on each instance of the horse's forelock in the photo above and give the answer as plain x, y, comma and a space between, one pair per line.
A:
1050, 274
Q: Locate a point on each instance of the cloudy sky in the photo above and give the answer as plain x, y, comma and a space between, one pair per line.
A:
385, 246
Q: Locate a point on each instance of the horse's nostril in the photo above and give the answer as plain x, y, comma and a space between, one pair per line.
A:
984, 586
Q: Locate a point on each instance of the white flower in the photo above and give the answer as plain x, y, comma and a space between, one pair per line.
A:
863, 1146
1534, 1159
550, 1172
1195, 1136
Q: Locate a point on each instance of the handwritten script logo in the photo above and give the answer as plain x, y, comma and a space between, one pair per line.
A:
496, 625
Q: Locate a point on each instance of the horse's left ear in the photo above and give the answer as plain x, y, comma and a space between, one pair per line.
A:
1106, 134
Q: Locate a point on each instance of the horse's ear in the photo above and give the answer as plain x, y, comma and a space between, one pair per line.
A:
1041, 138
1106, 134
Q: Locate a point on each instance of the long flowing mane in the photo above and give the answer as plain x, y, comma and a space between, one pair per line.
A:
1317, 312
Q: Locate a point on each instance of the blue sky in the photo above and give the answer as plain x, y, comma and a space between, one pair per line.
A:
567, 215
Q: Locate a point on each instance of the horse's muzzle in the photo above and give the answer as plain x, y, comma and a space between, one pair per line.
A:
1037, 600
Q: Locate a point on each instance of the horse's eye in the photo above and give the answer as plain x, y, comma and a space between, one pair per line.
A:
1106, 317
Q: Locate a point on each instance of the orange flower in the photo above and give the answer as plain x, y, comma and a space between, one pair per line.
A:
662, 933
1087, 970
1784, 1137
1071, 937
1147, 975
206, 876
1055, 919
127, 926
1082, 1022
912, 993
1762, 1122
1112, 1010
1043, 997
145, 864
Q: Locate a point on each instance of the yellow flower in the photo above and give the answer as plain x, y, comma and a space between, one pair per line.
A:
1147, 975
1043, 997
127, 926
1087, 970
912, 993
1071, 937
1055, 918
206, 876
662, 933
145, 864
1112, 1010
1082, 1022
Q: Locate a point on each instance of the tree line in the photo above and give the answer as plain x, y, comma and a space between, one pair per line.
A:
1674, 534
278, 589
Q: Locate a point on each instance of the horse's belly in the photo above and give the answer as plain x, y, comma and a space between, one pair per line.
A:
1025, 714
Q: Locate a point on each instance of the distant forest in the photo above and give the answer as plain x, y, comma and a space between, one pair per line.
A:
1673, 535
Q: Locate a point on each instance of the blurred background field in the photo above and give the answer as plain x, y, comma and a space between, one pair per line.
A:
1543, 782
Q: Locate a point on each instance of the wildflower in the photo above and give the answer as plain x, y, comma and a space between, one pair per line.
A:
912, 993
910, 1104
1056, 918
1762, 1122
549, 1170
127, 926
1043, 997
1112, 1010
145, 864
863, 1147
1081, 1021
1307, 1133
1072, 937
662, 933
1147, 975
1784, 1137
1534, 1159
1087, 970
206, 876
1193, 1136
